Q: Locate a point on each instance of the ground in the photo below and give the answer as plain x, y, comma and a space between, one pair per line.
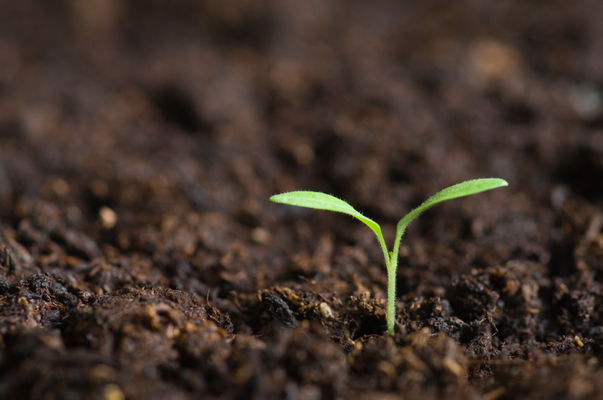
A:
140, 141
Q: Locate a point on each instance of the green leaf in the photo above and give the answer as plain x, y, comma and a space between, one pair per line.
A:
322, 201
459, 190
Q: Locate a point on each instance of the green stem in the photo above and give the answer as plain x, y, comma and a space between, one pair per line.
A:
390, 265
391, 296
391, 272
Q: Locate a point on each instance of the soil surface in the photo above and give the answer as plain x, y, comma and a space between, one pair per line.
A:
140, 141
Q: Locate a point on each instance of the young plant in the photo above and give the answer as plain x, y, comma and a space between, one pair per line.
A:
324, 201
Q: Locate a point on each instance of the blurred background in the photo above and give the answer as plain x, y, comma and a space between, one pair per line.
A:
135, 122
370, 101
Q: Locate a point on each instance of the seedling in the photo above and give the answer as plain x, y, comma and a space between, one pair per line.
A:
324, 201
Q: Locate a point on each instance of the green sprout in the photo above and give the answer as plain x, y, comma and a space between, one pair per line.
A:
322, 201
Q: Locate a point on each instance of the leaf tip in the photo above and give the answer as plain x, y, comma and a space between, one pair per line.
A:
276, 198
502, 182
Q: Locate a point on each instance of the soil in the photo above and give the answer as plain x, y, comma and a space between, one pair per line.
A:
140, 141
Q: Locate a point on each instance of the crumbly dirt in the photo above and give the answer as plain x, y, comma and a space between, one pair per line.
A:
140, 141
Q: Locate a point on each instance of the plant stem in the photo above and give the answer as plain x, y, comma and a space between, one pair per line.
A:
391, 263
391, 296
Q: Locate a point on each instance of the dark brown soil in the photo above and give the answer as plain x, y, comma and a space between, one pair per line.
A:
140, 141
